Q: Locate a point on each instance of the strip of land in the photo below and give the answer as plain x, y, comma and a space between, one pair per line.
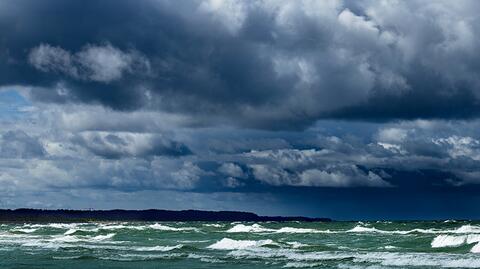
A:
65, 215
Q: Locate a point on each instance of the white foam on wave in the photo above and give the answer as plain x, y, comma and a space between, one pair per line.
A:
140, 257
121, 226
301, 230
254, 228
70, 231
161, 227
25, 230
362, 229
447, 241
442, 241
159, 248
296, 244
435, 260
61, 225
72, 238
216, 225
230, 244
465, 229
102, 237
476, 248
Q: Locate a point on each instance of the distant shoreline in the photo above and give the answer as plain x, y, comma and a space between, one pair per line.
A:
67, 215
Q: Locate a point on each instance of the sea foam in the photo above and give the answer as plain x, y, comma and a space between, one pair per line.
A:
230, 244
159, 248
255, 228
442, 241
161, 227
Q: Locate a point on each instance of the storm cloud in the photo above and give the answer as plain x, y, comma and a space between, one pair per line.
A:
261, 64
238, 100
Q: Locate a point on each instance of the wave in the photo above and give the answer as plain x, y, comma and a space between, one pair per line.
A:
362, 229
140, 257
256, 228
230, 244
159, 248
26, 230
161, 227
56, 225
301, 230
443, 241
465, 229
216, 225
74, 238
296, 244
102, 237
301, 265
476, 248
121, 226
384, 259
204, 258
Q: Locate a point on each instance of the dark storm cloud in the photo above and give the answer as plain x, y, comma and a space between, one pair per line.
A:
118, 145
262, 64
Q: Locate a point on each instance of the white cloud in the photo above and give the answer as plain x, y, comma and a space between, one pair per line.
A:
228, 12
231, 169
101, 63
458, 146
394, 135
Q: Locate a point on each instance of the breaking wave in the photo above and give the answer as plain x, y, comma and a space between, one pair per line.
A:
465, 229
256, 228
230, 244
443, 241
159, 248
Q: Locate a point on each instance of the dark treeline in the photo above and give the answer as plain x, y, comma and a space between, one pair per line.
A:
65, 215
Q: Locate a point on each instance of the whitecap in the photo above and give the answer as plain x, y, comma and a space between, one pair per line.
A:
476, 248
102, 237
442, 241
301, 230
140, 257
296, 244
121, 226
216, 225
255, 228
161, 227
435, 260
159, 248
70, 231
26, 230
467, 229
230, 244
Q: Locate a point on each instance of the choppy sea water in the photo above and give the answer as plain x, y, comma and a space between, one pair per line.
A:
448, 244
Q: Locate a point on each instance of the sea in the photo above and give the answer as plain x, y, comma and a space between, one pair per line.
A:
355, 245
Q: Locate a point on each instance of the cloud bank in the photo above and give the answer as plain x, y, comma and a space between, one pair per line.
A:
237, 99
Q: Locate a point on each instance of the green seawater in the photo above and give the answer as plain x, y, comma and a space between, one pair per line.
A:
448, 244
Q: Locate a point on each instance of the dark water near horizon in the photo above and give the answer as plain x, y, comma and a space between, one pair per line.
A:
450, 244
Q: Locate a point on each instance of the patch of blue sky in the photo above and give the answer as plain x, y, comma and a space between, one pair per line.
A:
13, 105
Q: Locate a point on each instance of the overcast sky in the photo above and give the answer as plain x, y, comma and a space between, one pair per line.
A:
342, 109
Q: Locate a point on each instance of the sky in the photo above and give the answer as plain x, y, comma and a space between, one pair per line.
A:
342, 109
